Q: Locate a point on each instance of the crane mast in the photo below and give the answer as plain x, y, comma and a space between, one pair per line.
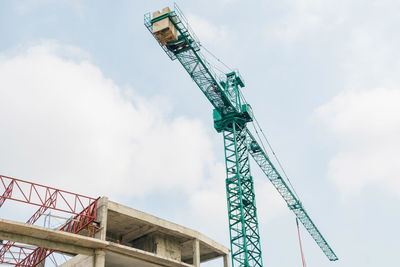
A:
231, 115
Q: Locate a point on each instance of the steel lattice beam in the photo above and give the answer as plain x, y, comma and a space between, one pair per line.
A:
48, 203
36, 194
15, 255
7, 192
292, 201
75, 226
83, 209
242, 212
196, 65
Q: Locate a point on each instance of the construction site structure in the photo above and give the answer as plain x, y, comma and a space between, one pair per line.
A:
102, 233
233, 117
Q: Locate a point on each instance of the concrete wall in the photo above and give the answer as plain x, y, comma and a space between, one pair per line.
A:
159, 244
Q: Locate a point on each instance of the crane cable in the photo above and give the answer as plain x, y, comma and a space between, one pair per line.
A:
303, 260
256, 121
270, 147
215, 57
276, 158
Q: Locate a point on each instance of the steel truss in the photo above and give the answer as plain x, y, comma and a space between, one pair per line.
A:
17, 254
287, 194
82, 208
242, 212
187, 51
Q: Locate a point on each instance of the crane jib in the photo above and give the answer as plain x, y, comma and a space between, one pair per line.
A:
294, 204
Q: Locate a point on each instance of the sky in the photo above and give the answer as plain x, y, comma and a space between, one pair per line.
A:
90, 103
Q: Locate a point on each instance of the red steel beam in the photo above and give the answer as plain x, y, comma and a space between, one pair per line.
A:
75, 225
16, 255
7, 192
49, 202
46, 198
36, 194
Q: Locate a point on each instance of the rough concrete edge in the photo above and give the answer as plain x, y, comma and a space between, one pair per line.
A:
170, 226
73, 243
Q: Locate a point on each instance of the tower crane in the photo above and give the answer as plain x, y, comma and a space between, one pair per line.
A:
231, 117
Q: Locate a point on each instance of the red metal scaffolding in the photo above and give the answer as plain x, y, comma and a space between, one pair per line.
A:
82, 208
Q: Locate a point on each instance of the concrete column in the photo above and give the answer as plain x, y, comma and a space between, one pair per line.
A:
100, 255
226, 260
196, 253
99, 258
102, 207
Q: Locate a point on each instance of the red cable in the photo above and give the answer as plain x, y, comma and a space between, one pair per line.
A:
301, 248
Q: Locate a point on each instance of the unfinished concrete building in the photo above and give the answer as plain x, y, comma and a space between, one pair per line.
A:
123, 237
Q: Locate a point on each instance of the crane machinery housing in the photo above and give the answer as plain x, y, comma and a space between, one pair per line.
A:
231, 115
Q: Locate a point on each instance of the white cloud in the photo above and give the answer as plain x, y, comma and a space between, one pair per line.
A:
307, 17
366, 125
364, 118
372, 59
208, 205
207, 32
26, 6
64, 124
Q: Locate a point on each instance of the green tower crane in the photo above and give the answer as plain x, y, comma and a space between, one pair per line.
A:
231, 116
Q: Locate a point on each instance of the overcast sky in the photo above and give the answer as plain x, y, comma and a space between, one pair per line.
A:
90, 103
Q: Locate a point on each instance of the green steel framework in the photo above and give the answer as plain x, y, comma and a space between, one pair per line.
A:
230, 118
242, 212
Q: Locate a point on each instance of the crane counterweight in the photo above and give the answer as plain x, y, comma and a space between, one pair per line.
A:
163, 28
